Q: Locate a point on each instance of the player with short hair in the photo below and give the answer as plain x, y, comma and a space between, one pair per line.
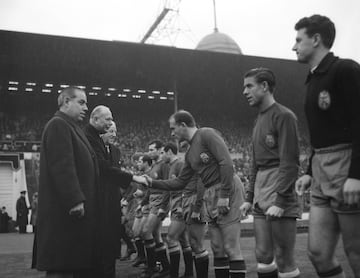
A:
209, 156
332, 111
273, 173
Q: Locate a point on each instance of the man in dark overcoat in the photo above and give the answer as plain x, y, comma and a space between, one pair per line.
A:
22, 213
111, 178
67, 192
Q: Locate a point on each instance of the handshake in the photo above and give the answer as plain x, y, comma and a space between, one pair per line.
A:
144, 180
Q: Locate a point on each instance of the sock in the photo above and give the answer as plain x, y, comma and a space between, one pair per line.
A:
202, 264
188, 261
336, 272
292, 274
237, 269
162, 256
221, 267
267, 270
174, 254
150, 253
140, 248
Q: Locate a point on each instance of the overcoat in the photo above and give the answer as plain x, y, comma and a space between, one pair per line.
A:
111, 179
22, 212
68, 176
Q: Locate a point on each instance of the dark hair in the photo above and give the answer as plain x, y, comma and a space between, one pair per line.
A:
318, 24
171, 146
147, 158
263, 75
68, 92
185, 117
158, 143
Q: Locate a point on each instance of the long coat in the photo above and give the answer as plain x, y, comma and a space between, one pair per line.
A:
22, 212
68, 176
111, 179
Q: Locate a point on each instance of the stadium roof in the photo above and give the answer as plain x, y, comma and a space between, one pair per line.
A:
110, 67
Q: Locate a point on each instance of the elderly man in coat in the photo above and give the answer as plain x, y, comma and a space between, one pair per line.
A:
67, 192
111, 179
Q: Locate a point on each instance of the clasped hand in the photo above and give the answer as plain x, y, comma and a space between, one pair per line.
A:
223, 206
78, 210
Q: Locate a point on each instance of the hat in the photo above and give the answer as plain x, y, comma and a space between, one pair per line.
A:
23, 191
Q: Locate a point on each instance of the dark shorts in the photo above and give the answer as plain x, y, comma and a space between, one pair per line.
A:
236, 199
156, 202
330, 168
188, 203
176, 211
265, 195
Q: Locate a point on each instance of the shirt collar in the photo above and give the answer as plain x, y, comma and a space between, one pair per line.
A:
323, 67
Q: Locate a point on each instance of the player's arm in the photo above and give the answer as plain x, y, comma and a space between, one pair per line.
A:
249, 189
178, 183
348, 82
288, 145
219, 150
200, 190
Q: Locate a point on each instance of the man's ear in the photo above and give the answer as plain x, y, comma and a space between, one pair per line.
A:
316, 39
265, 86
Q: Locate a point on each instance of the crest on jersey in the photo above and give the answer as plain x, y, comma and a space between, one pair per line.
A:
324, 100
155, 176
270, 140
204, 158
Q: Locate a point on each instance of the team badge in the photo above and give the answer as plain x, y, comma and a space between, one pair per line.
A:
324, 100
270, 141
155, 176
204, 158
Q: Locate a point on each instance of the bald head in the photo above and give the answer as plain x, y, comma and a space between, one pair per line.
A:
101, 118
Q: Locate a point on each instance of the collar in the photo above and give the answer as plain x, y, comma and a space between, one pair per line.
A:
324, 66
66, 117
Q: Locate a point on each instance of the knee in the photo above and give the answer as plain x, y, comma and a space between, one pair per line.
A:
231, 250
218, 249
264, 256
196, 246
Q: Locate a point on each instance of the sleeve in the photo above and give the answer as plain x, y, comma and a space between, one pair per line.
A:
288, 145
165, 200
249, 195
309, 168
145, 200
117, 175
200, 190
61, 163
178, 183
348, 82
219, 150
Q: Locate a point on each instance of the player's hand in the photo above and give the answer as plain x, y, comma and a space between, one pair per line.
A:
78, 210
161, 214
351, 191
274, 211
148, 180
141, 180
223, 206
195, 216
245, 208
302, 184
